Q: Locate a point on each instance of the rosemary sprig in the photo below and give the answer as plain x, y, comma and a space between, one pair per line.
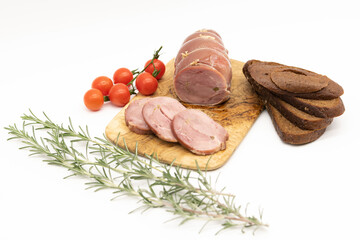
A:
187, 194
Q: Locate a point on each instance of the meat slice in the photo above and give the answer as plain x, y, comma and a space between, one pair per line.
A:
201, 85
208, 56
199, 133
196, 43
208, 35
203, 77
134, 118
209, 30
203, 71
158, 113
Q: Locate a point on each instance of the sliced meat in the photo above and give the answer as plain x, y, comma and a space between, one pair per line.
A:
199, 133
134, 118
209, 30
196, 43
207, 56
203, 71
205, 35
158, 113
201, 85
203, 77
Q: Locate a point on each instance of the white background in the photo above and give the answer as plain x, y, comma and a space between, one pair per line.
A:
50, 51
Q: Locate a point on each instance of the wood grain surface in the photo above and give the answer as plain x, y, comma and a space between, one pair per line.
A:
237, 115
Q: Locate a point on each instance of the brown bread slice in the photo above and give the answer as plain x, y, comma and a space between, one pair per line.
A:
288, 132
301, 119
261, 73
317, 107
320, 108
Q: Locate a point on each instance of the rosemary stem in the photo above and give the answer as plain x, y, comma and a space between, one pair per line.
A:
220, 216
49, 125
118, 169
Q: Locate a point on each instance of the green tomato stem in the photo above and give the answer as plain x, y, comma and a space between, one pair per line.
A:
106, 99
155, 73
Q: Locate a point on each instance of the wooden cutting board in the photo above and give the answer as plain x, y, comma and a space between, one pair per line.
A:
237, 115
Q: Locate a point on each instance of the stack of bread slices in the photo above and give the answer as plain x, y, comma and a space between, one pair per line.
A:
301, 103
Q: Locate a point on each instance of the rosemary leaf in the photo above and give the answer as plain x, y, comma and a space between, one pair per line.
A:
187, 194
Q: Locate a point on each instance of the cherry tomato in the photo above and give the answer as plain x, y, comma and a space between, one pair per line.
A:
122, 75
94, 99
103, 84
119, 94
159, 66
146, 83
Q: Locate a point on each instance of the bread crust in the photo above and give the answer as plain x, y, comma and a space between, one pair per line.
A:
319, 108
301, 116
322, 108
290, 133
301, 119
261, 71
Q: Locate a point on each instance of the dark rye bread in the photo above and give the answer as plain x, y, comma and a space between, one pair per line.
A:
261, 72
300, 103
290, 133
301, 119
321, 108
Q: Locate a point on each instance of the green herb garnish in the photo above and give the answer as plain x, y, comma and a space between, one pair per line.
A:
187, 194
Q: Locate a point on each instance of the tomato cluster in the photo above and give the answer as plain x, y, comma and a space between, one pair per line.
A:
118, 90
